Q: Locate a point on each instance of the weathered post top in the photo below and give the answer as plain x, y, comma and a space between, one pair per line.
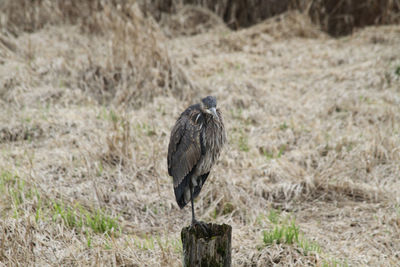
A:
207, 247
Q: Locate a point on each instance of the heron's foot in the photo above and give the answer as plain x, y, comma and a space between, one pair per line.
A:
203, 226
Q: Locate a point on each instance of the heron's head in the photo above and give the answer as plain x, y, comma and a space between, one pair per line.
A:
209, 106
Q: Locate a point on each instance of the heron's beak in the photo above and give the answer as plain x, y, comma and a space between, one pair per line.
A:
213, 111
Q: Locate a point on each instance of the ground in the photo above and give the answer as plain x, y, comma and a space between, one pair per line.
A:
313, 125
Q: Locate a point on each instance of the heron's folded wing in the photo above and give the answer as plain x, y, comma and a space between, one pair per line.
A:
184, 149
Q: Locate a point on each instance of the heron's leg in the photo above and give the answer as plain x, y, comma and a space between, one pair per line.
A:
191, 199
202, 225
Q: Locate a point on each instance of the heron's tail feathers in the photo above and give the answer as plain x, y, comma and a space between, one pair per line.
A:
182, 191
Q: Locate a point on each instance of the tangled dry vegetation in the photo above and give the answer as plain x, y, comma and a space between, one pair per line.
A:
310, 175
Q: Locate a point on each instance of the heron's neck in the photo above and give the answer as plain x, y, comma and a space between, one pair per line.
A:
208, 118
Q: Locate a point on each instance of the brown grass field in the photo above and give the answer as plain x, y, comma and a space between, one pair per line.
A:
310, 175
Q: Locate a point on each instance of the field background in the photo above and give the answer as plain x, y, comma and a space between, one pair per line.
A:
89, 91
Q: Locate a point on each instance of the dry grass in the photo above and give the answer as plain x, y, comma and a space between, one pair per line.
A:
313, 126
343, 17
336, 18
107, 49
190, 20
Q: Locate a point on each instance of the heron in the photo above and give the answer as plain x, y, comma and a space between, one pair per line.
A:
195, 144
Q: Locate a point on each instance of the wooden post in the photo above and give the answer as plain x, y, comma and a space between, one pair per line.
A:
207, 249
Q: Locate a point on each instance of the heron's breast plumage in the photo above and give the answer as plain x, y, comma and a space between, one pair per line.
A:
214, 137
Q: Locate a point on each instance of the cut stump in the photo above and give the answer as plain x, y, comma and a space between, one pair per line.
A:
207, 248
